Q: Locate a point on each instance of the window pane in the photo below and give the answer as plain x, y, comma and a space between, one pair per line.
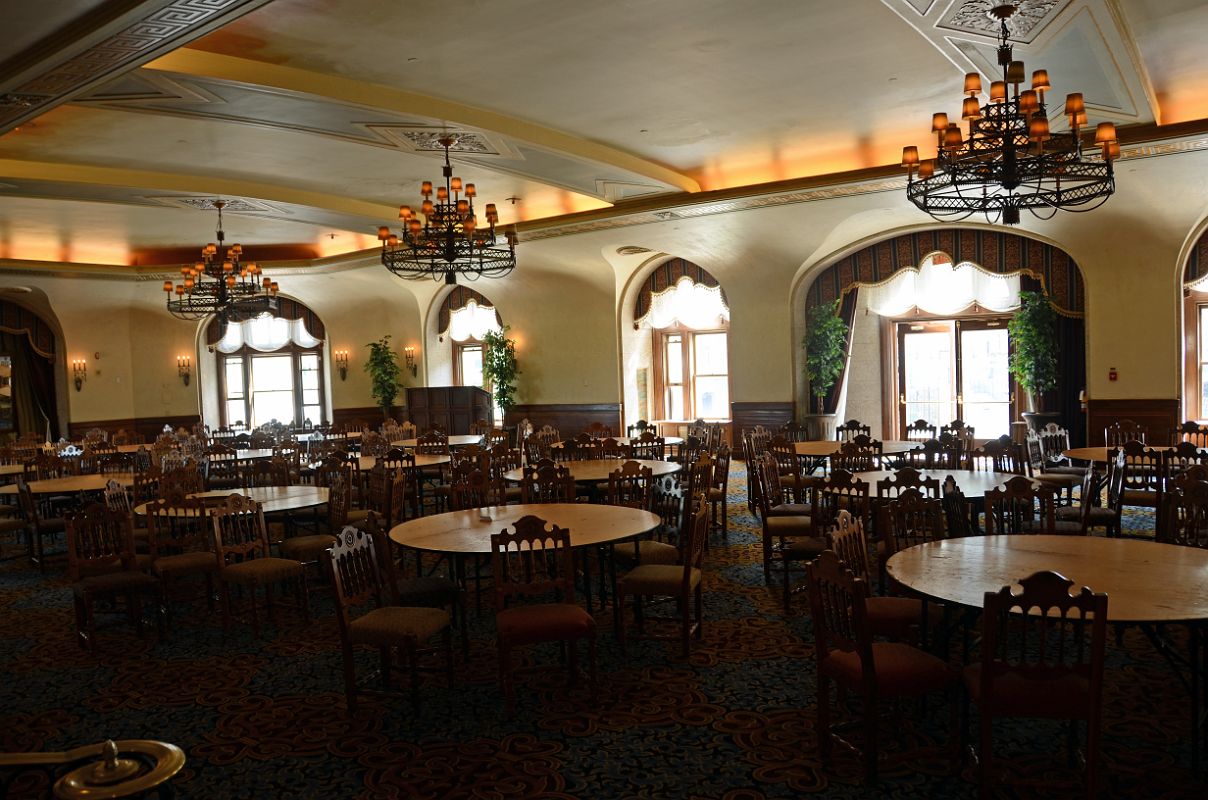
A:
234, 377
674, 359
675, 402
309, 361
711, 354
471, 366
712, 397
235, 412
310, 379
272, 389
984, 375
313, 413
929, 390
310, 397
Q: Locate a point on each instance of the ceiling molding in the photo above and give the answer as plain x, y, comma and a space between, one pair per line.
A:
97, 46
200, 63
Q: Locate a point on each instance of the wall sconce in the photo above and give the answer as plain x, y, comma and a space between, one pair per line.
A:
184, 368
409, 357
342, 363
79, 372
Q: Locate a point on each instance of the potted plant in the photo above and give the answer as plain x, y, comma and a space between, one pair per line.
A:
499, 368
825, 346
1033, 332
385, 372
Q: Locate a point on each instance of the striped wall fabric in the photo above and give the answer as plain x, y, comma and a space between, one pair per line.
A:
1197, 262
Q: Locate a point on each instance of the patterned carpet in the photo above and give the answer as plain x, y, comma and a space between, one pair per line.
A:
735, 721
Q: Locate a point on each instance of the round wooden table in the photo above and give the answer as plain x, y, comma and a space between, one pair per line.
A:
825, 447
971, 482
463, 533
459, 440
669, 441
1099, 454
596, 470
11, 469
271, 498
74, 483
366, 463
1144, 581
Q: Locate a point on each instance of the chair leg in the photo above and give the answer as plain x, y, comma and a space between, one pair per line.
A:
824, 730
983, 755
685, 625
700, 613
870, 738
350, 679
591, 665
621, 640
1092, 753
413, 664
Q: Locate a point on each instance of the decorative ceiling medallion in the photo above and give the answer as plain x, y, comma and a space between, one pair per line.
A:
21, 100
973, 16
429, 141
631, 250
235, 206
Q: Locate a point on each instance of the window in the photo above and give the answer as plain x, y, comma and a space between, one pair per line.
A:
955, 369
695, 374
1202, 362
271, 369
467, 327
468, 358
7, 420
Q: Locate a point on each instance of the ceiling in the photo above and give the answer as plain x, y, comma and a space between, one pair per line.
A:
321, 115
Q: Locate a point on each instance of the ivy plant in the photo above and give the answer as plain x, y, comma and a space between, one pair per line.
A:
825, 346
385, 373
499, 367
1033, 332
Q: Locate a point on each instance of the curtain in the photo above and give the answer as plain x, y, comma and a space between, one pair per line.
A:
33, 387
847, 313
944, 288
693, 305
472, 321
266, 333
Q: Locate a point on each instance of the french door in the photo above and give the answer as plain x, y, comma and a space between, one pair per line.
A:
955, 369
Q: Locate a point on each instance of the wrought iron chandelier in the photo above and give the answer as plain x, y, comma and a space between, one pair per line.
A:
1010, 159
444, 239
221, 284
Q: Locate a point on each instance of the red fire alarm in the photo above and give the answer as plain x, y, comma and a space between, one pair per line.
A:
1112, 374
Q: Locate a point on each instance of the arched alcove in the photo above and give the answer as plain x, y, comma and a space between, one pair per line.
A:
674, 343
1195, 329
455, 331
33, 373
958, 283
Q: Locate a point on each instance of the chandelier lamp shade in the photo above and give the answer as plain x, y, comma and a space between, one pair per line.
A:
444, 238
221, 283
1008, 159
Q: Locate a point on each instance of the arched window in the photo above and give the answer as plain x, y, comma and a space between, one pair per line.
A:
686, 311
271, 368
466, 317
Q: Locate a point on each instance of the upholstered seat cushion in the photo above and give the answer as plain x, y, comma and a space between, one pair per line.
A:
647, 551
1140, 497
1067, 526
789, 526
658, 579
802, 547
1059, 479
1017, 695
429, 590
262, 570
392, 625
893, 616
791, 510
358, 516
124, 581
185, 563
1099, 514
306, 548
513, 494
52, 525
900, 669
543, 623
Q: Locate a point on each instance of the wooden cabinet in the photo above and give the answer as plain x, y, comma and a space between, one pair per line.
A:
451, 408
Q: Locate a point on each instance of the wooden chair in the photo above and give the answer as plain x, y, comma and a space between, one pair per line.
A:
793, 479
1037, 662
906, 479
859, 453
533, 562
719, 493
847, 655
101, 564
475, 489
936, 454
547, 482
241, 547
1191, 432
181, 481
648, 446
1054, 441
892, 617
1185, 521
180, 538
1062, 482
632, 485
611, 448
356, 573
1143, 471
786, 537
38, 527
851, 429
681, 582
840, 490
598, 430
433, 442
920, 431
957, 427
1107, 516
1021, 506
1122, 431
638, 428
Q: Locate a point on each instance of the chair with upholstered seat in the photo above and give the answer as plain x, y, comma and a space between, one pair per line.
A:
1022, 506
1185, 521
180, 538
354, 567
788, 538
1062, 482
1041, 657
860, 453
793, 479
101, 564
907, 520
38, 527
648, 446
1123, 431
920, 431
851, 429
681, 582
632, 485
1143, 471
904, 479
242, 552
535, 597
718, 494
847, 655
547, 482
892, 617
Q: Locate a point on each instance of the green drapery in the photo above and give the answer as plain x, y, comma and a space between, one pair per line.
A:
32, 387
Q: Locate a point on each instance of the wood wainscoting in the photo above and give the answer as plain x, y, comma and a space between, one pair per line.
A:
570, 419
770, 415
1159, 417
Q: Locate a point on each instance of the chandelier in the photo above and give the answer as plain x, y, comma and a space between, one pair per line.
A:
444, 239
1010, 160
221, 284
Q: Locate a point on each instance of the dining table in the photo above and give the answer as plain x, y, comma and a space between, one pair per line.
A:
1147, 583
73, 484
596, 470
1099, 454
462, 534
272, 499
625, 441
456, 440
